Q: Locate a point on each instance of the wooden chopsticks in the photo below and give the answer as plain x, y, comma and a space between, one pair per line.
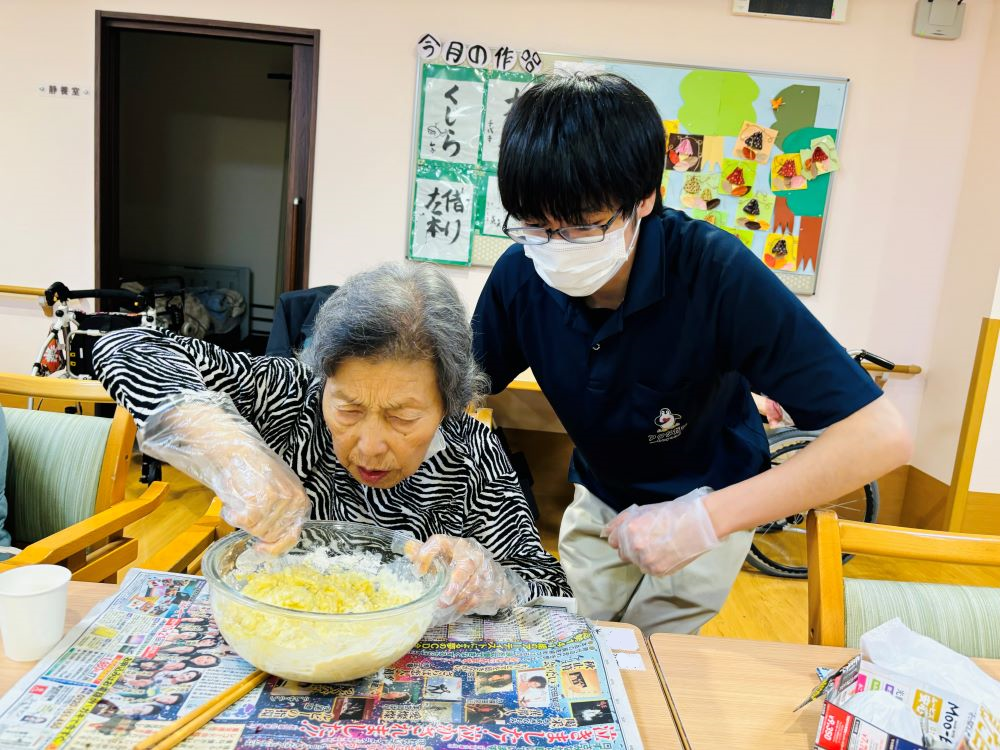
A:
177, 731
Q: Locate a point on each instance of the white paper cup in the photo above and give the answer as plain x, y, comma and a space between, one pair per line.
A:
32, 610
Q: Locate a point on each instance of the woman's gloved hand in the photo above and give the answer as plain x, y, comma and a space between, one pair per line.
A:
202, 434
661, 539
477, 584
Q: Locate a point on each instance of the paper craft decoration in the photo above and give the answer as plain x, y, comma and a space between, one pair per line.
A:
754, 211
820, 158
781, 252
716, 218
744, 235
754, 143
737, 177
699, 192
786, 173
684, 152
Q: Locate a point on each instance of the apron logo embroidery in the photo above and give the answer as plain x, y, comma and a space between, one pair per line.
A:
668, 427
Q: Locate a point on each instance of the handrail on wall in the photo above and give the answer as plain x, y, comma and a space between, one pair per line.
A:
897, 370
28, 291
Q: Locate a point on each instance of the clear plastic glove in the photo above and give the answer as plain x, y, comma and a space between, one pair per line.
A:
202, 434
661, 539
477, 584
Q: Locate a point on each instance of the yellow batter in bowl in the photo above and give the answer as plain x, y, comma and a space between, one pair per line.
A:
343, 604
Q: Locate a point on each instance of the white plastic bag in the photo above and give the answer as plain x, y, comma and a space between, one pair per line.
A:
895, 647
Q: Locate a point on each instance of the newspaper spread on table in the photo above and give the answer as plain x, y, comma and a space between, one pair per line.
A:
535, 677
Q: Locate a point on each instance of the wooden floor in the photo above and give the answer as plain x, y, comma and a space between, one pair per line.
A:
760, 607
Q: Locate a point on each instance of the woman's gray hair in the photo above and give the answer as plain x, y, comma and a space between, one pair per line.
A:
402, 311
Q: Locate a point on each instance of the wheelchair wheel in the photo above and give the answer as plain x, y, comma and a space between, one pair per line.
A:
779, 547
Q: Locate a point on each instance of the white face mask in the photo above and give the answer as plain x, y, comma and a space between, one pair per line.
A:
580, 270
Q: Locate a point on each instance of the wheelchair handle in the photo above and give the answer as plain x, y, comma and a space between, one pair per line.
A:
59, 291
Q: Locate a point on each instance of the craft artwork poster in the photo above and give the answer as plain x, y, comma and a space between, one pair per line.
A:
781, 251
737, 177
715, 218
786, 173
754, 142
755, 211
743, 235
684, 152
700, 191
820, 158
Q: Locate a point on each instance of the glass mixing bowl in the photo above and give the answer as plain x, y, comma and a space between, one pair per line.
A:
317, 646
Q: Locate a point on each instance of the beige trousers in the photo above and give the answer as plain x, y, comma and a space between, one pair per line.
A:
608, 589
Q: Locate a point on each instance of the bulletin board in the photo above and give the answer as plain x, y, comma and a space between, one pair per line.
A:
751, 152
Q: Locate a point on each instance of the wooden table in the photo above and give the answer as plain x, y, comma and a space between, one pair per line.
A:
642, 686
735, 693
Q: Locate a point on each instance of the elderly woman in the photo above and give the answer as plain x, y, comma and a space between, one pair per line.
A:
371, 426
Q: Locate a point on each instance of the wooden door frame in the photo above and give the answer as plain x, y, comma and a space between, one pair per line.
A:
298, 219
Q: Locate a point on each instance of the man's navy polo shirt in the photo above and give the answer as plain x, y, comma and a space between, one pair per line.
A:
656, 395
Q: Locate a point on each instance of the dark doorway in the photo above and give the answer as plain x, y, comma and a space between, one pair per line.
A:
205, 136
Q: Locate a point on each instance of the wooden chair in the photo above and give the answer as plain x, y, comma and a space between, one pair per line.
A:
842, 609
66, 480
183, 554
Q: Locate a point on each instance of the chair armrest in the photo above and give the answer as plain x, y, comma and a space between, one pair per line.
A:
187, 546
69, 389
61, 545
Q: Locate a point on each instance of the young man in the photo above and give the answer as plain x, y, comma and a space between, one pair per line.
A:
646, 331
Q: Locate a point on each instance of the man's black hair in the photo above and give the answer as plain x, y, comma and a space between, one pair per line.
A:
580, 144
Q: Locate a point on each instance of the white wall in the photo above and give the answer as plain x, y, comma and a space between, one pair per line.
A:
972, 262
203, 152
893, 208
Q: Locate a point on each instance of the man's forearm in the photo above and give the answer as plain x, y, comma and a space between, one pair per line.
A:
865, 446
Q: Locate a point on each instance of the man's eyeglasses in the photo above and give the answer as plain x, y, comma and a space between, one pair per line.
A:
581, 235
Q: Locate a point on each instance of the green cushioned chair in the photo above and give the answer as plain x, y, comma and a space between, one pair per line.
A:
65, 481
53, 471
842, 609
966, 619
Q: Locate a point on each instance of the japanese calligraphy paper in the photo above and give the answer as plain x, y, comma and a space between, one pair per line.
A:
500, 97
453, 111
442, 221
495, 214
533, 677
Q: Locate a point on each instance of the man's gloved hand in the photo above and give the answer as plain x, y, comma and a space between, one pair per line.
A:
202, 434
477, 584
661, 539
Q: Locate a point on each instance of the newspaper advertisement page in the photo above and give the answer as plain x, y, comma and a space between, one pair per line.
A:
531, 677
